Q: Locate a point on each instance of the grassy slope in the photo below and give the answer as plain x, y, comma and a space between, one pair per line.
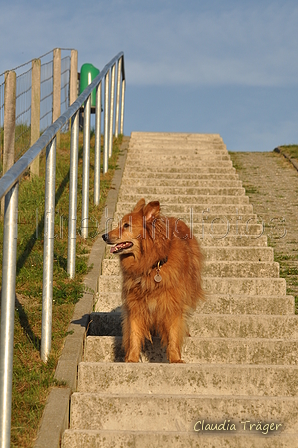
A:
274, 199
291, 150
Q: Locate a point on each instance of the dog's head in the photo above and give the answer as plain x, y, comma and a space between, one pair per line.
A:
132, 228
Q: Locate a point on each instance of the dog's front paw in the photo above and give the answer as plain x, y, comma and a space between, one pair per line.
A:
176, 361
131, 358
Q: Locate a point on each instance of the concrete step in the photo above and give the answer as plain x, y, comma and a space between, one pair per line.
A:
194, 219
214, 285
180, 146
216, 269
219, 231
197, 213
183, 142
137, 153
169, 146
141, 136
215, 303
192, 140
235, 254
201, 379
202, 144
253, 351
213, 326
152, 137
213, 191
224, 254
210, 213
175, 439
205, 215
181, 183
219, 227
245, 286
128, 174
177, 139
223, 238
210, 209
176, 412
179, 157
182, 161
209, 238
214, 229
240, 269
165, 152
178, 170
207, 201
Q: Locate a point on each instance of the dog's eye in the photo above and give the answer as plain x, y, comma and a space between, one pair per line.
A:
126, 225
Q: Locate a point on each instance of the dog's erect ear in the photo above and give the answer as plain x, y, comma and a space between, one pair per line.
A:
151, 210
139, 206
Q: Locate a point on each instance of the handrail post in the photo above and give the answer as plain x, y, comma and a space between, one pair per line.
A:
112, 110
97, 145
73, 188
122, 106
48, 251
106, 126
119, 69
86, 163
7, 312
57, 88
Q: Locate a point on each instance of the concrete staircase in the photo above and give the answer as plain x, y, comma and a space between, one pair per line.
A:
241, 358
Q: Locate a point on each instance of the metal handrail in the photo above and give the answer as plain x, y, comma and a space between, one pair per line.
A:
9, 186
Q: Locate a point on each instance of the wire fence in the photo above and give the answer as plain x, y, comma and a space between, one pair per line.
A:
46, 94
24, 95
23, 113
65, 76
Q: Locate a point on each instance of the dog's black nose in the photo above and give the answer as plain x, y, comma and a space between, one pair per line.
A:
105, 236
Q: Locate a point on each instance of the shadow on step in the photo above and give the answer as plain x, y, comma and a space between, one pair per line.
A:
105, 324
108, 326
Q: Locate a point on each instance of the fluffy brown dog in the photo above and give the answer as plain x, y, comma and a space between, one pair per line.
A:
161, 264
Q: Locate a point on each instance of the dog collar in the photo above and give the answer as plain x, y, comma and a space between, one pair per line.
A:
159, 263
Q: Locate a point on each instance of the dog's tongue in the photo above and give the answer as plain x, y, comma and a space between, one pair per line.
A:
119, 247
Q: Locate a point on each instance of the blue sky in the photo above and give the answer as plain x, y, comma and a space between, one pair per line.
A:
229, 67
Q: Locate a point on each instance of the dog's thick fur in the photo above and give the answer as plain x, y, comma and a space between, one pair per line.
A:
143, 238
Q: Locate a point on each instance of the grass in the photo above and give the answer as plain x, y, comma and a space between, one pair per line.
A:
22, 141
288, 269
32, 379
250, 189
291, 150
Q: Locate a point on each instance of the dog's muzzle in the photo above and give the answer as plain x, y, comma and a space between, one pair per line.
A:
117, 247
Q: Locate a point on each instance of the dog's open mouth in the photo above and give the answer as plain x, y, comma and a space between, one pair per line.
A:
120, 247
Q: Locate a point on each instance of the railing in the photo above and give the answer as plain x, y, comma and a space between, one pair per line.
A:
9, 186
